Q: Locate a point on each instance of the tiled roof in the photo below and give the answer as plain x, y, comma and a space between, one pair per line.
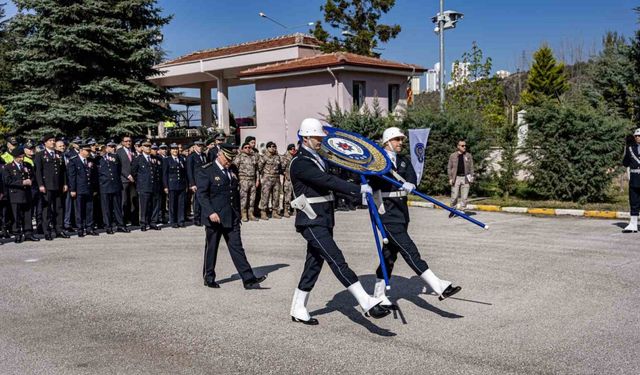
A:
329, 60
282, 41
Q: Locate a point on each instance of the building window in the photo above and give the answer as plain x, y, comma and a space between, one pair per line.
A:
359, 90
393, 97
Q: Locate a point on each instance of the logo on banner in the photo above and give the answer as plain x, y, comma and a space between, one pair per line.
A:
347, 148
418, 150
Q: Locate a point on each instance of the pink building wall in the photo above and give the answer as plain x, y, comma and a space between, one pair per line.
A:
282, 103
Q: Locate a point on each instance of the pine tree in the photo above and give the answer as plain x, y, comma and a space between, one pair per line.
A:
546, 80
635, 57
360, 19
80, 66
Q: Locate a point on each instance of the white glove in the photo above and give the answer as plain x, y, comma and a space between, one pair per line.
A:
408, 187
366, 189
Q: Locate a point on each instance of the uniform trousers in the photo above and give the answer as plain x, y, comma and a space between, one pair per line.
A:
320, 248
634, 200
400, 242
247, 193
149, 208
176, 206
197, 209
130, 210
5, 215
69, 210
52, 210
22, 218
111, 204
36, 209
234, 244
288, 194
84, 211
270, 193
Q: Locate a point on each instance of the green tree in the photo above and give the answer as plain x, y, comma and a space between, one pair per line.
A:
546, 80
574, 150
369, 121
610, 77
81, 66
361, 19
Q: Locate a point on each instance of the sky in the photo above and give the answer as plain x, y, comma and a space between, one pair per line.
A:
503, 29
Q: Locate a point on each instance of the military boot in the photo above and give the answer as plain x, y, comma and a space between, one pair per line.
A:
263, 215
252, 216
244, 216
286, 213
275, 214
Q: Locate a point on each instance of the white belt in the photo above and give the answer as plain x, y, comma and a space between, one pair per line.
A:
324, 199
635, 170
394, 194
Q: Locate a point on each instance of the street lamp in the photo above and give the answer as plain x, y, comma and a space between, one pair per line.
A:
444, 20
263, 15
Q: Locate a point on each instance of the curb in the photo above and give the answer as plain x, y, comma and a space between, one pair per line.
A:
536, 211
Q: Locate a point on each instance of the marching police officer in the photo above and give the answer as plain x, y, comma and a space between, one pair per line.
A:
194, 161
51, 178
83, 184
217, 192
147, 171
109, 172
313, 188
174, 177
632, 161
394, 213
18, 178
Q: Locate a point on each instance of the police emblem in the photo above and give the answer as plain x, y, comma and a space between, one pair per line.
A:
418, 150
353, 152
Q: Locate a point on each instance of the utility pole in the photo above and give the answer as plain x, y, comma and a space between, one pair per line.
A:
441, 72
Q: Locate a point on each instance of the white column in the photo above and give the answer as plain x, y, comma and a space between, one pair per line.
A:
223, 105
205, 105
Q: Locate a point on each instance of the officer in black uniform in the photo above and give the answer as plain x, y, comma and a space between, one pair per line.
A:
147, 172
109, 171
18, 179
632, 161
220, 199
51, 178
83, 184
313, 188
174, 177
194, 161
4, 204
163, 154
394, 213
69, 207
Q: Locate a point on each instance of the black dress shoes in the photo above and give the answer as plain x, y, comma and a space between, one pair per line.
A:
62, 234
154, 227
211, 284
31, 237
19, 238
451, 290
254, 283
310, 322
81, 233
197, 223
123, 229
109, 230
377, 312
48, 237
451, 215
175, 226
143, 228
182, 225
92, 232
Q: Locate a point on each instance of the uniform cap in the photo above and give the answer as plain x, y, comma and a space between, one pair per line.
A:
154, 146
112, 143
163, 146
48, 136
173, 146
220, 137
198, 143
17, 152
76, 140
228, 150
29, 144
210, 140
146, 143
12, 140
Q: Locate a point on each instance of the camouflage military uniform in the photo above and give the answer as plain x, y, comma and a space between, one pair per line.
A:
270, 168
247, 165
288, 186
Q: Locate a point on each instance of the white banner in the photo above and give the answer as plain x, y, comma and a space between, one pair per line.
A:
418, 142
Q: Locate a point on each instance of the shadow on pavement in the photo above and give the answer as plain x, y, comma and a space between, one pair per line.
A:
258, 271
621, 225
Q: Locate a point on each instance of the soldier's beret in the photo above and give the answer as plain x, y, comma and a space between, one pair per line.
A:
291, 146
17, 152
269, 144
249, 138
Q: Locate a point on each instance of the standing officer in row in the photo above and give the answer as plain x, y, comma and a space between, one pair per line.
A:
5, 208
394, 213
220, 199
270, 168
18, 179
247, 167
313, 188
109, 172
51, 178
83, 184
69, 203
126, 155
36, 197
194, 161
632, 161
287, 186
147, 172
174, 177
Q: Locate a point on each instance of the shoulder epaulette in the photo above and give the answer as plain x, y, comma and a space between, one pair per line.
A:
206, 165
73, 157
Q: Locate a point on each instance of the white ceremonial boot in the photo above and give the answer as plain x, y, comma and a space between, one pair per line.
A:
379, 292
633, 225
369, 305
299, 311
442, 288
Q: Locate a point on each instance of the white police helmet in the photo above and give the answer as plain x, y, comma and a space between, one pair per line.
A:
311, 127
392, 133
637, 132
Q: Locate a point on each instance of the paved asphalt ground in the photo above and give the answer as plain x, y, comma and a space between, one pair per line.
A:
540, 296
